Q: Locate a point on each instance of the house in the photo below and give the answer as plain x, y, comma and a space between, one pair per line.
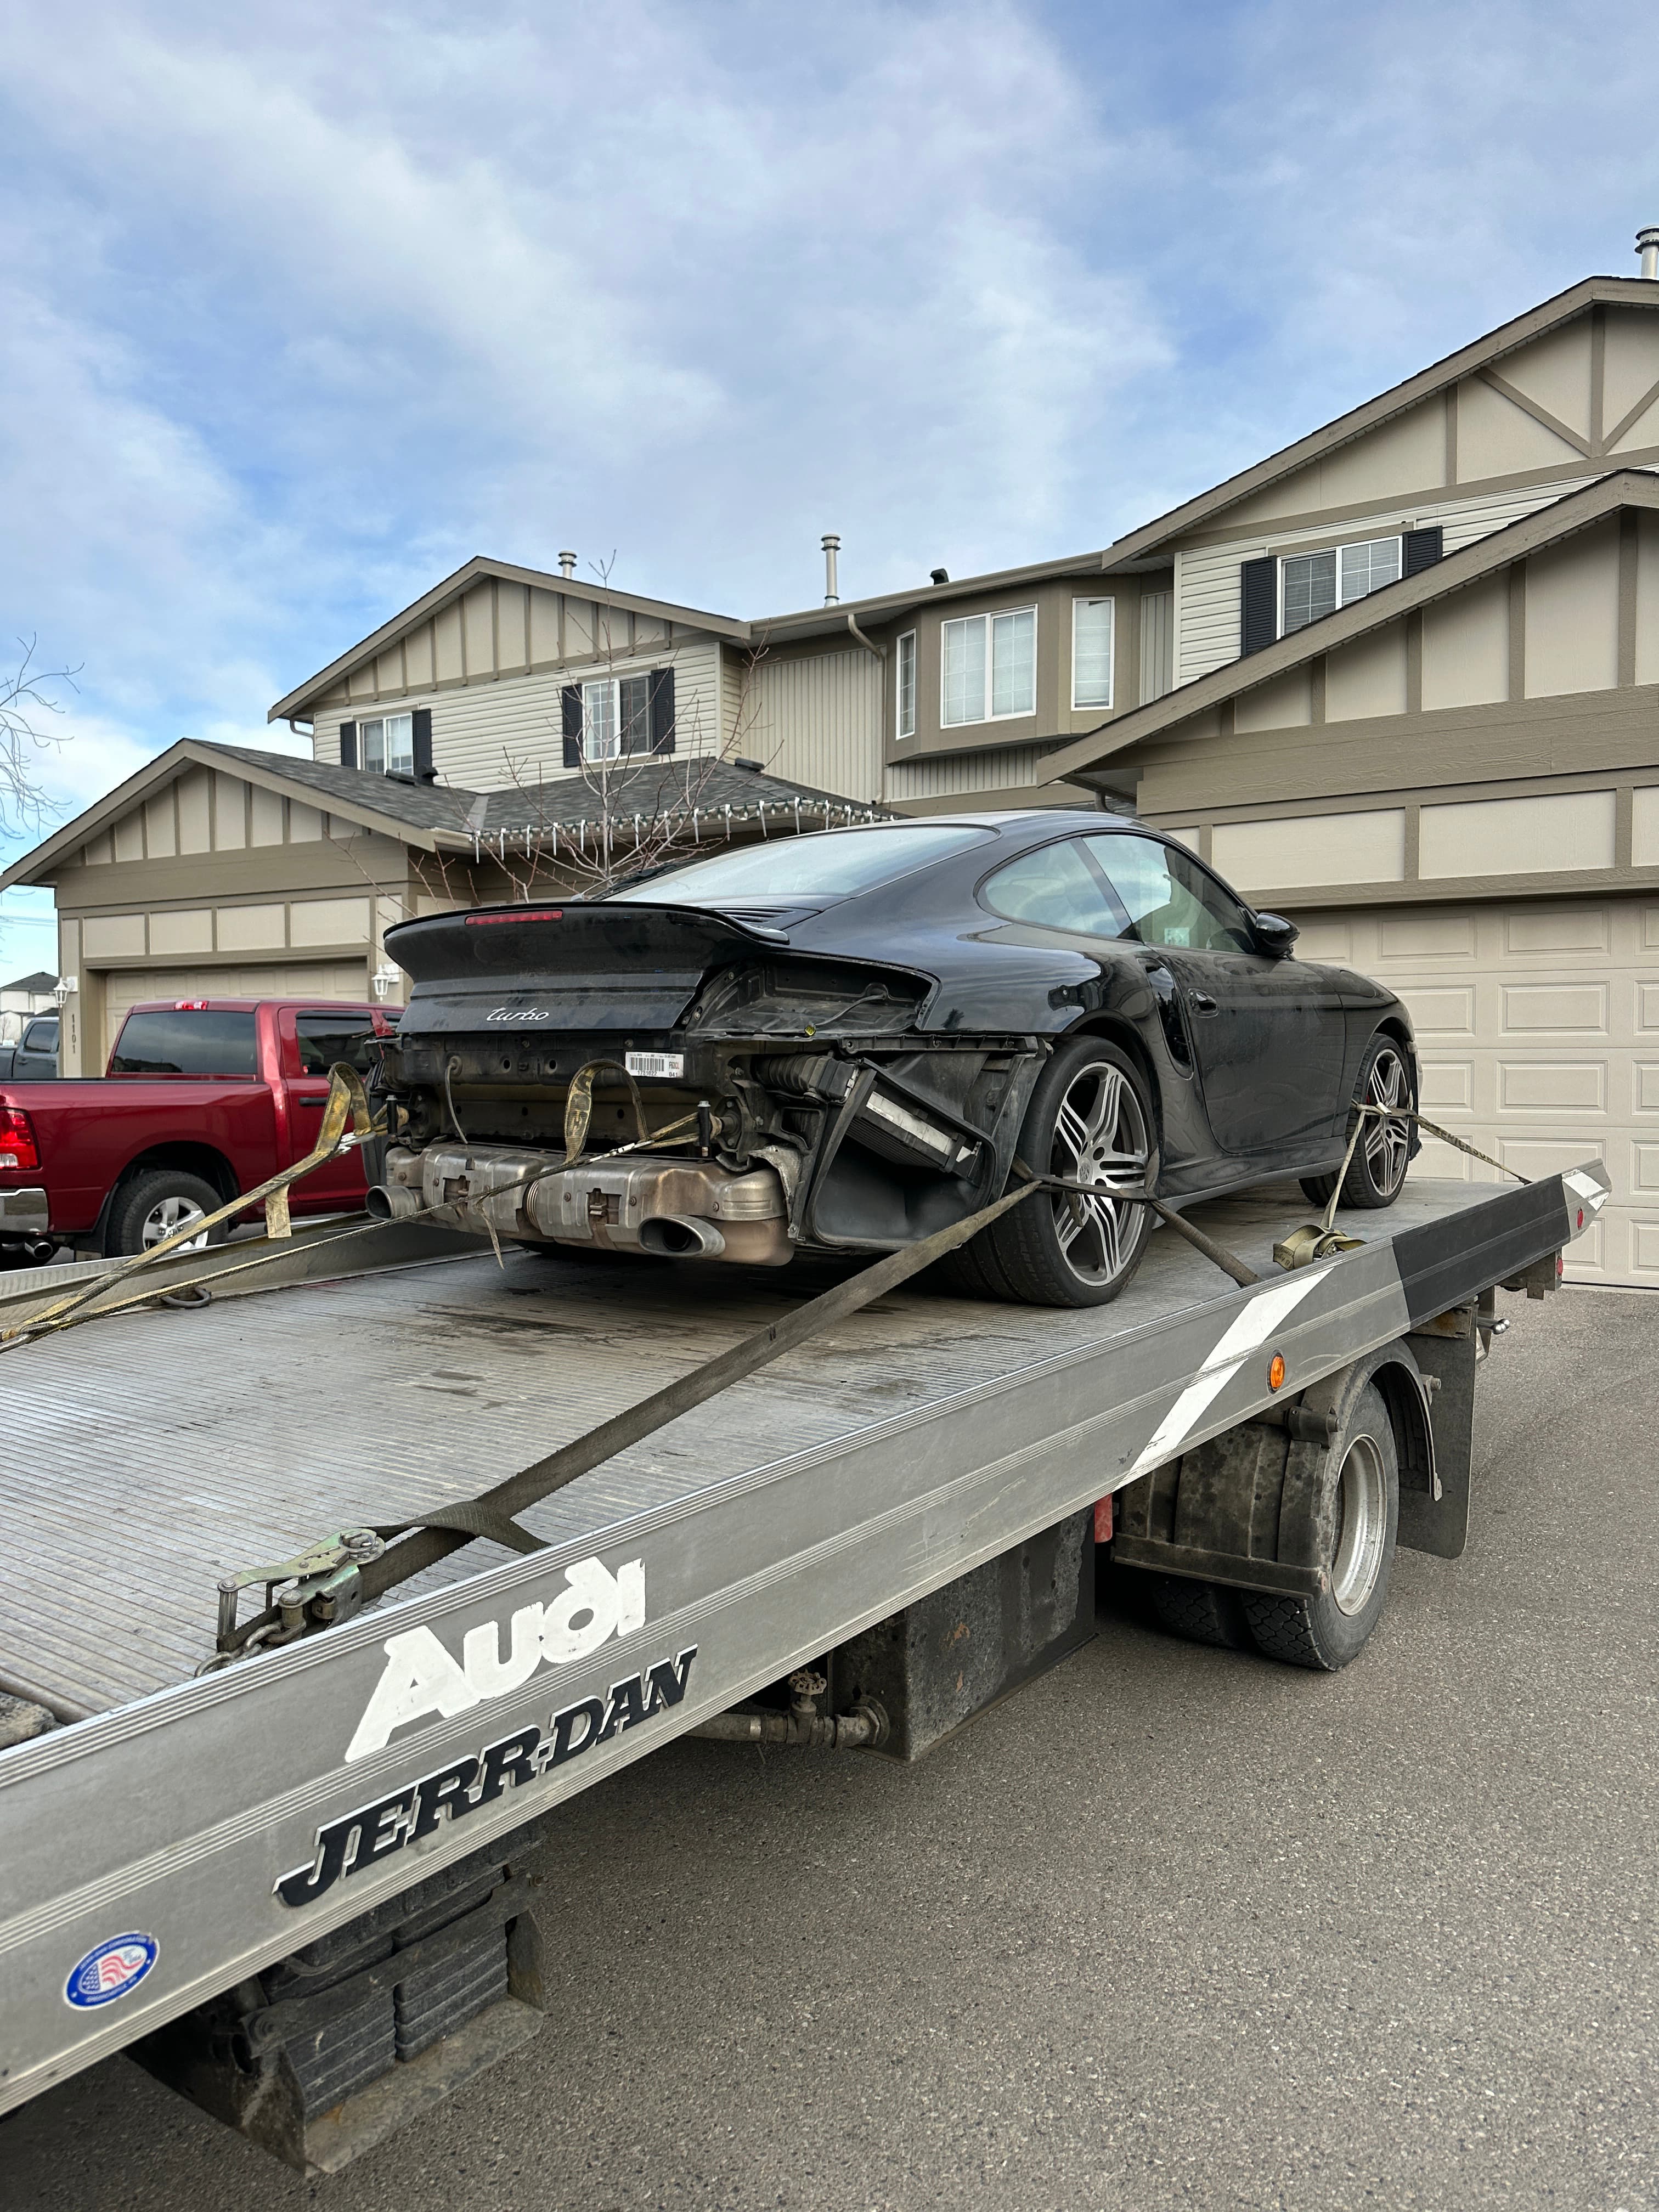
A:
29, 995
1400, 680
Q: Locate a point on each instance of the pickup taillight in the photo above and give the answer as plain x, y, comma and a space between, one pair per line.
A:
17, 1146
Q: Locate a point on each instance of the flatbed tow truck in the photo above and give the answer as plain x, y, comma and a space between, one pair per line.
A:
301, 1887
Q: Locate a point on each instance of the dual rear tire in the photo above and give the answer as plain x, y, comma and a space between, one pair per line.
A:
1354, 1521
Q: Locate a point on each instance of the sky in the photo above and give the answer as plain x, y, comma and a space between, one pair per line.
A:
307, 305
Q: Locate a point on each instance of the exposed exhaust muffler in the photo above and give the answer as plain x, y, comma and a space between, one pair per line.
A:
675, 1209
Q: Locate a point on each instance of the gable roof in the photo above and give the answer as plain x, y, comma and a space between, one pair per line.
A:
36, 984
479, 570
444, 816
1546, 526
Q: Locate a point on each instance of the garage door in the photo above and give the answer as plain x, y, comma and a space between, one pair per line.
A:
1538, 1026
316, 979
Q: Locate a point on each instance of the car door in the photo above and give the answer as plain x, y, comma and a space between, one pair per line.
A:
320, 1035
1268, 1033
37, 1054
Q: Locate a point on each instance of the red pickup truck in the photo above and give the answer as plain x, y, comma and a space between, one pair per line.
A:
202, 1098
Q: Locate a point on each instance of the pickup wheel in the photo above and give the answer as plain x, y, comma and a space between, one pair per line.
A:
1204, 1613
156, 1204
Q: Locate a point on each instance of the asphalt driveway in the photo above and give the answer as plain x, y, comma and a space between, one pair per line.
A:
1172, 1928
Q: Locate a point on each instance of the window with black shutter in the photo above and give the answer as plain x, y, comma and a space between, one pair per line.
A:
348, 745
421, 718
1423, 547
611, 716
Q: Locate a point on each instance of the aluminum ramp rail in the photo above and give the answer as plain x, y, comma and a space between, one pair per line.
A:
226, 1821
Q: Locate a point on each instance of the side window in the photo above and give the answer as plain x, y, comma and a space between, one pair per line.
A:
1056, 888
1170, 900
41, 1036
327, 1036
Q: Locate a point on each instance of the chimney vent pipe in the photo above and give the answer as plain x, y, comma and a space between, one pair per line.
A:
941, 575
831, 588
567, 564
1647, 244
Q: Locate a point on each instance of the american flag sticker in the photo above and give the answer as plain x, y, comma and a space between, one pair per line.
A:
111, 1970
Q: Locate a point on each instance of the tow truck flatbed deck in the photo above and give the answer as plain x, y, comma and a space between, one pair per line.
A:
921, 1438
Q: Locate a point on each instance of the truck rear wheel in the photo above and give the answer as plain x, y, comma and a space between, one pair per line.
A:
156, 1204
1359, 1517
1204, 1613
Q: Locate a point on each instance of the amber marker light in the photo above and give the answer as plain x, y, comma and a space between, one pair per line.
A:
1276, 1372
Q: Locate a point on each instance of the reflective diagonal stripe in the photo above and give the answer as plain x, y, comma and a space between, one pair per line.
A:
1247, 1333
1590, 1192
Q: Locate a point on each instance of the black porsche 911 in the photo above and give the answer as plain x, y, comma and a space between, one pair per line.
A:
842, 1042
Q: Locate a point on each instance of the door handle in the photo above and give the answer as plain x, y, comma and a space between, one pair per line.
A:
311, 1099
1202, 1003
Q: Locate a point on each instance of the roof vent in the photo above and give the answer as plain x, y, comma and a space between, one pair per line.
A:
1647, 244
567, 564
831, 545
940, 575
756, 768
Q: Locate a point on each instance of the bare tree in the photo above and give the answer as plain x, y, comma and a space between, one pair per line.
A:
26, 694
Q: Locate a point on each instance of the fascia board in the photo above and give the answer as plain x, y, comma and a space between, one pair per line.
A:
191, 752
1561, 519
475, 570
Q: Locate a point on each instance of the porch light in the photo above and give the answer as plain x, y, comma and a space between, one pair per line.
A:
384, 978
65, 988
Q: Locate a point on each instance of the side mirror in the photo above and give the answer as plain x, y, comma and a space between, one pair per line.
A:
1275, 935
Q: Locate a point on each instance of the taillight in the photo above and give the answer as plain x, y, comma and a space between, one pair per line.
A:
518, 913
17, 1145
190, 1006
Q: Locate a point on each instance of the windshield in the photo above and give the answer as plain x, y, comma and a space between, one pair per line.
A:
823, 864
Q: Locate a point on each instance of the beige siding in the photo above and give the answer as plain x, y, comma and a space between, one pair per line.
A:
1325, 848
1367, 678
1465, 647
819, 722
1564, 831
1572, 615
1284, 704
1406, 455
487, 735
1538, 1024
1010, 768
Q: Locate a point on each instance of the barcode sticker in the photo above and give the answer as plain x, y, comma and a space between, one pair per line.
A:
654, 1063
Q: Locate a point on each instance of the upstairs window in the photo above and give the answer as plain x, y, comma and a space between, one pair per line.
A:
1315, 584
387, 744
1091, 652
1282, 593
988, 667
390, 745
906, 679
610, 717
616, 717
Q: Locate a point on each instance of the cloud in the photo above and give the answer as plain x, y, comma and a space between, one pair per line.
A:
305, 305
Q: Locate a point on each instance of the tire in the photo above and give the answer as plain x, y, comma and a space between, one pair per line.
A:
156, 1203
1376, 1172
1360, 1509
1091, 1120
1204, 1613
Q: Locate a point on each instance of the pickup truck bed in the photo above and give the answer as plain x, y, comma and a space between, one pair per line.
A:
923, 1437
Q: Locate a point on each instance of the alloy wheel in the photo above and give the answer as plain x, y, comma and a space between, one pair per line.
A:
1387, 1143
167, 1217
1100, 1139
1362, 1502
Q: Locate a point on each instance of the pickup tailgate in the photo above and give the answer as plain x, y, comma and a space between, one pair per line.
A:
88, 1130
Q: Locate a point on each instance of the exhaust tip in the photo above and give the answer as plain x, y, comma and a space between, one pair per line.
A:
391, 1202
681, 1237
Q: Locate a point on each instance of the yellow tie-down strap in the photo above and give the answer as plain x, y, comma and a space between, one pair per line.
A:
346, 1098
